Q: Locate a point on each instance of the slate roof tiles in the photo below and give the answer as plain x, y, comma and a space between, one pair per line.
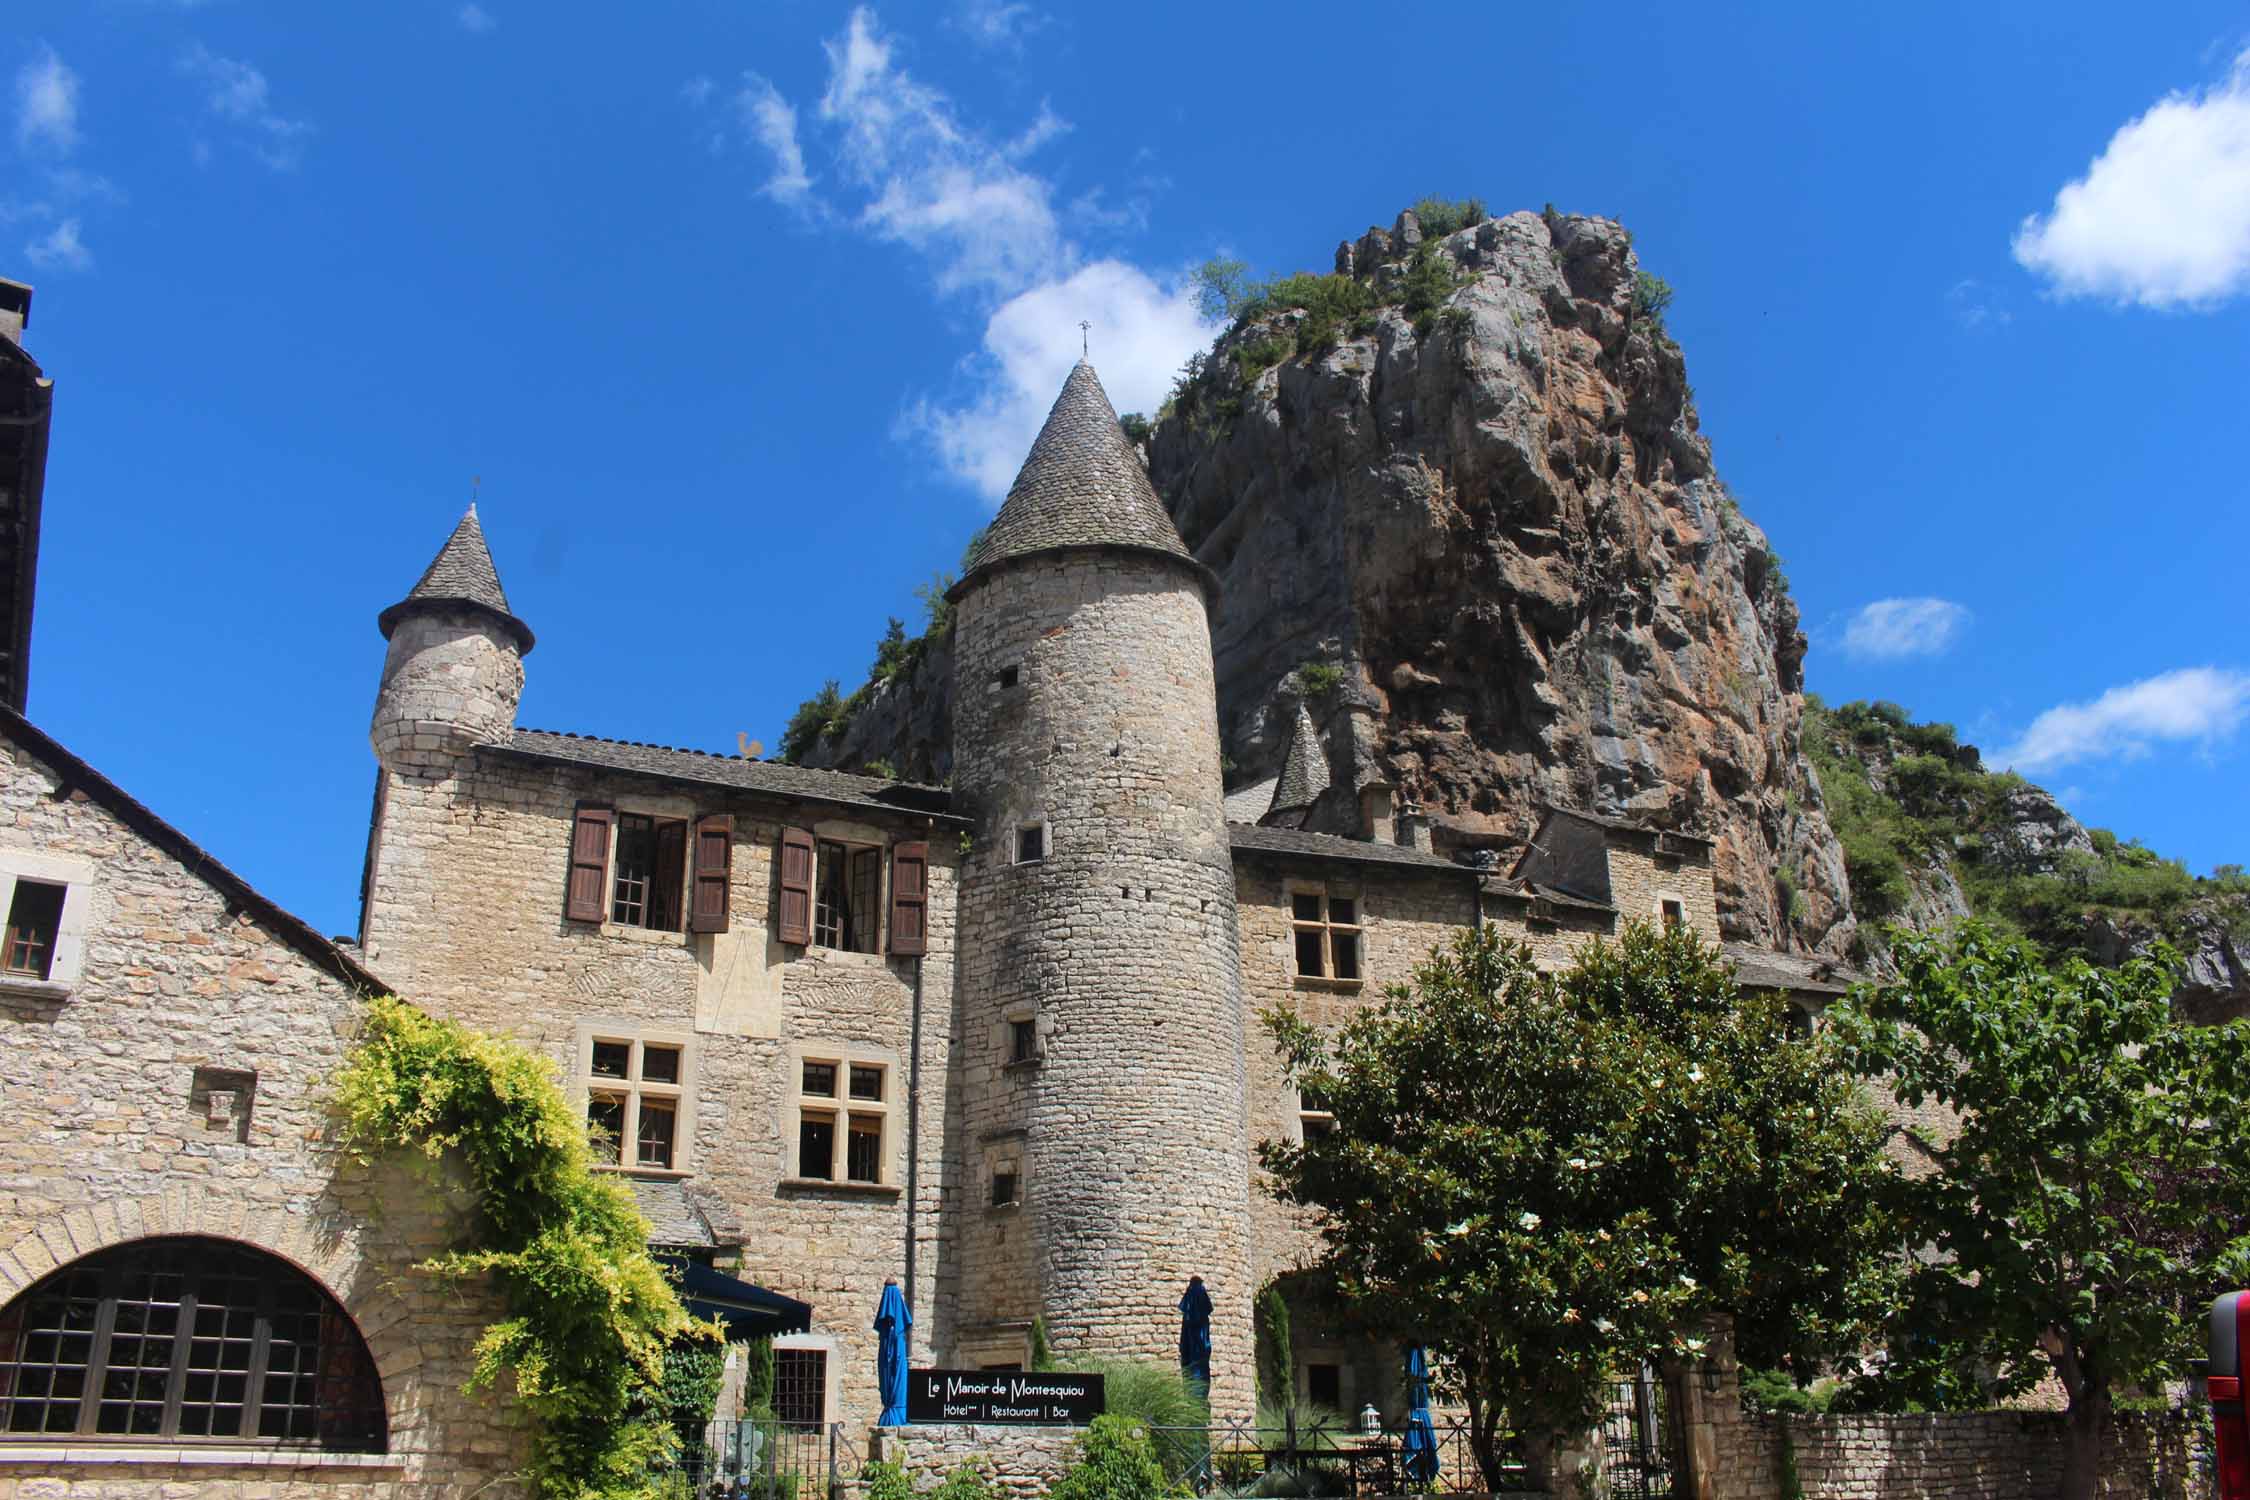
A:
461, 573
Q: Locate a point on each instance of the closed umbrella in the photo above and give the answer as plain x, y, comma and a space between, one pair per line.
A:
1195, 1332
892, 1319
1418, 1450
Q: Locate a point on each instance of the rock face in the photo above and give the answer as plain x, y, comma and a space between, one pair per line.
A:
1492, 530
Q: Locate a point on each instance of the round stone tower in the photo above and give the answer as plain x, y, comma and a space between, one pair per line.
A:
454, 671
1104, 1109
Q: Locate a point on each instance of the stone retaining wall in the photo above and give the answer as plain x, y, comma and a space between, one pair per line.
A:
1022, 1462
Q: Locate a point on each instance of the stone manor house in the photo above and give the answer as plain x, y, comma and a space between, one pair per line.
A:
996, 1041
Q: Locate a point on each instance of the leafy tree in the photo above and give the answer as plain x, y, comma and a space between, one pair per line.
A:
1652, 298
1277, 1359
1135, 427
1430, 278
1223, 289
1442, 216
815, 717
2098, 1189
1549, 1175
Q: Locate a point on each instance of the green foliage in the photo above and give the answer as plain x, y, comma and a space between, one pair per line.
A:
1329, 304
1316, 679
1135, 426
1116, 1461
1149, 1390
1430, 278
1253, 357
1652, 298
1223, 289
1550, 1175
1042, 1358
2086, 1206
881, 766
1442, 216
816, 718
589, 1315
971, 1481
892, 656
1277, 1358
757, 1380
1777, 1390
885, 1480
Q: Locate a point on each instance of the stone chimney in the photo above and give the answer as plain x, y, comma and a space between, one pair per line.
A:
1375, 813
1414, 829
15, 310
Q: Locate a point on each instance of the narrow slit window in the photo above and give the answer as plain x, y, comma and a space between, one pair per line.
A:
34, 925
1023, 1041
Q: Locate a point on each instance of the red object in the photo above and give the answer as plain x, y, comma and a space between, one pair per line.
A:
2230, 1340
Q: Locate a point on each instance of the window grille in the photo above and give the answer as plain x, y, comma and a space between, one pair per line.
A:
800, 1386
1327, 933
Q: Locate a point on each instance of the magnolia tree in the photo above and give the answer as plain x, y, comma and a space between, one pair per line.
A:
2096, 1193
1551, 1177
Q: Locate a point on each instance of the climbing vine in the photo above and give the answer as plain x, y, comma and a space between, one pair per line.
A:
589, 1314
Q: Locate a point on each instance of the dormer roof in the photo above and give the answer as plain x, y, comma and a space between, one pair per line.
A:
1304, 770
461, 574
1082, 486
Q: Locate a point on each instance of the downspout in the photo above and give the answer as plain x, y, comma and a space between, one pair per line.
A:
913, 1131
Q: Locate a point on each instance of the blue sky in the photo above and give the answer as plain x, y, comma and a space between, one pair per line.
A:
744, 313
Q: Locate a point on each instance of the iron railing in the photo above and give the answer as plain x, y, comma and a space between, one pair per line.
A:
1641, 1439
754, 1460
1325, 1457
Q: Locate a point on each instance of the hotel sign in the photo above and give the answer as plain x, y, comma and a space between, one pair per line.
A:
1030, 1398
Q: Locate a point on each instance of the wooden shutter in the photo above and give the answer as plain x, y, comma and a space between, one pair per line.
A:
671, 874
714, 863
910, 899
589, 863
796, 886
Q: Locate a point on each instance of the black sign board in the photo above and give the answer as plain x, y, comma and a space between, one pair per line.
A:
1032, 1398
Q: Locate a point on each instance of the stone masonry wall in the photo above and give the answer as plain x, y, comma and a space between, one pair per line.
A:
466, 913
1121, 943
1023, 1463
451, 678
109, 1141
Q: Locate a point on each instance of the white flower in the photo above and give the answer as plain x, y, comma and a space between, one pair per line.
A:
1576, 1164
1605, 1325
1528, 1220
1695, 1075
1688, 1282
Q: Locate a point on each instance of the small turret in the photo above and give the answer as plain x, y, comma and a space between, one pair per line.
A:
454, 672
1304, 777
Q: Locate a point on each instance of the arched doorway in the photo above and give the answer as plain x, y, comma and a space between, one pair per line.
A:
183, 1340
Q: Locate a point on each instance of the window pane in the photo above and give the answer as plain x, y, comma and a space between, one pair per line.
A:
820, 1079
1031, 844
831, 898
34, 918
800, 1386
636, 867
1003, 1189
660, 1064
606, 1114
1674, 916
1305, 906
1023, 1041
1308, 952
1343, 909
1345, 945
816, 1146
611, 1059
864, 1150
867, 1082
865, 918
656, 1126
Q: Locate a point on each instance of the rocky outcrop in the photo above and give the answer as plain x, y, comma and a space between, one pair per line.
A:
1491, 527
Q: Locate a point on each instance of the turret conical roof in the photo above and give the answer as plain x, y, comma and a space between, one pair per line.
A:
1304, 770
461, 573
1081, 486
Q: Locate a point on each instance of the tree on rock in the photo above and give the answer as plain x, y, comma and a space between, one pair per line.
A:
1552, 1177
2097, 1192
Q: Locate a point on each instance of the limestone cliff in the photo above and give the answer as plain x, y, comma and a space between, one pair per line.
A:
1458, 503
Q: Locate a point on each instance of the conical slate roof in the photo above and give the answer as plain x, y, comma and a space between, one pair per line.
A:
461, 573
1304, 771
1081, 486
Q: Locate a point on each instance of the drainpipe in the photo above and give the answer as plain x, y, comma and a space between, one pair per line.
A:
913, 1129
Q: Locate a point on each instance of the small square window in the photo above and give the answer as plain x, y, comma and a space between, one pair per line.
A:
816, 1146
1023, 1041
660, 1064
1003, 1189
820, 1079
863, 1150
34, 924
1675, 915
612, 1060
1305, 906
1031, 843
1324, 1386
867, 1082
1007, 676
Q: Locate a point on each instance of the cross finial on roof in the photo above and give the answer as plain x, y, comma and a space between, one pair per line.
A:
1085, 339
476, 482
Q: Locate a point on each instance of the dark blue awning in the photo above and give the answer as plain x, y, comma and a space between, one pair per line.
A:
749, 1312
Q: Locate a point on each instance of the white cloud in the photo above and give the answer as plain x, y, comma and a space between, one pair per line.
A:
1143, 330
475, 19
60, 250
238, 93
46, 104
2162, 216
2201, 704
1890, 629
772, 122
999, 23
904, 166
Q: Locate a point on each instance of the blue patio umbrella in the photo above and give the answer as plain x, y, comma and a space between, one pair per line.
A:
1418, 1449
892, 1319
1195, 1332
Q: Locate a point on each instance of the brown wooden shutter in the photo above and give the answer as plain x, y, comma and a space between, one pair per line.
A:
910, 899
671, 874
589, 863
714, 863
796, 886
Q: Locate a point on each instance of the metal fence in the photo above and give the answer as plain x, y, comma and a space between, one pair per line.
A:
1321, 1458
752, 1460
1641, 1439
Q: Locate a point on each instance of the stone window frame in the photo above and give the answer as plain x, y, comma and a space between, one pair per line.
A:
1336, 1357
1004, 1035
890, 1111
1035, 824
830, 1348
1678, 903
1327, 891
663, 809
854, 837
682, 1095
1004, 1156
1310, 1112
66, 963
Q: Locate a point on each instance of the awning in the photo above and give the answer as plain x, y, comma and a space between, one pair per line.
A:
749, 1312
